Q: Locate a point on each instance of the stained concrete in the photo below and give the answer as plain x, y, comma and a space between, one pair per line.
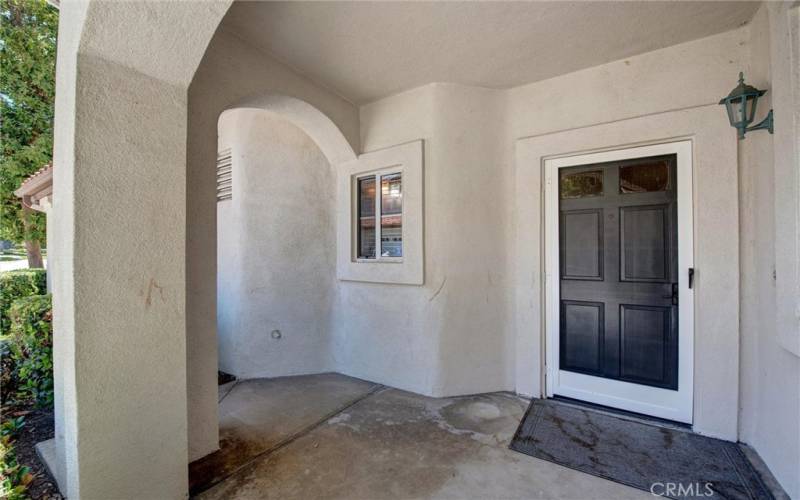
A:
386, 443
259, 415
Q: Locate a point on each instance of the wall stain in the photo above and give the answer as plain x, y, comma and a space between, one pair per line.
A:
148, 300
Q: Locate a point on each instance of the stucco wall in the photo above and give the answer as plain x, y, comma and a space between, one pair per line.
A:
450, 335
382, 340
231, 74
469, 215
682, 77
274, 260
599, 101
119, 279
60, 250
770, 373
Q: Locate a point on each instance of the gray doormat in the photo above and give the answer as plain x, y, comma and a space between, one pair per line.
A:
674, 462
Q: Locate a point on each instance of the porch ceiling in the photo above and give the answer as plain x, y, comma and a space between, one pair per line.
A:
368, 50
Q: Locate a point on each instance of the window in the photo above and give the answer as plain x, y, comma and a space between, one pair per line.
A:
366, 218
644, 177
384, 240
581, 184
379, 216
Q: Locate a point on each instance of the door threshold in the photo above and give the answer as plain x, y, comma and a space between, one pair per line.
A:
624, 414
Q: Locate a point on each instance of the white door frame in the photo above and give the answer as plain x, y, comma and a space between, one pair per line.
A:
663, 403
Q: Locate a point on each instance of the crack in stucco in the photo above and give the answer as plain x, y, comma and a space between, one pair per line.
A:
438, 290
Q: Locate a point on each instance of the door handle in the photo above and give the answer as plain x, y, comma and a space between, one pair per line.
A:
673, 296
691, 277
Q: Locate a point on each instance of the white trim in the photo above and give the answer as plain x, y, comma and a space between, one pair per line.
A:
408, 269
673, 405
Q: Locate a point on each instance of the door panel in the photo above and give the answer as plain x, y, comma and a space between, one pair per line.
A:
582, 328
644, 243
646, 356
618, 263
582, 244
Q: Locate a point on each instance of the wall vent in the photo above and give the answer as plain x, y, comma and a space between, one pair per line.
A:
224, 175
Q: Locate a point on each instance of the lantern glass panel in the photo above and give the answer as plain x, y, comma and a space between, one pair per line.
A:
751, 108
739, 109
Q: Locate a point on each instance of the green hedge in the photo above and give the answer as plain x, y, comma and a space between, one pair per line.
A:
15, 285
8, 381
30, 348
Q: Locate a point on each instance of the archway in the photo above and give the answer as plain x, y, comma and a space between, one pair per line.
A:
234, 75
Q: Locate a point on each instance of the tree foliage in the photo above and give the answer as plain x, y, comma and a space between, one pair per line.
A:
28, 30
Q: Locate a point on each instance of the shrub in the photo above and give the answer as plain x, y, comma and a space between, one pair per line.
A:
17, 284
14, 478
31, 348
8, 380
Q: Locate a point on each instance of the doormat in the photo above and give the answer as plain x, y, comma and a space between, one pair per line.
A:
666, 461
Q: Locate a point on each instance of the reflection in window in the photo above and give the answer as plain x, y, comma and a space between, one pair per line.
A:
366, 217
391, 216
580, 184
388, 209
644, 177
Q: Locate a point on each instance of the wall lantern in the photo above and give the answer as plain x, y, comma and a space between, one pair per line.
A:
741, 106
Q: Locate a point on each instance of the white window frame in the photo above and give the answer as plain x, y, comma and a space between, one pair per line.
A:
406, 159
378, 176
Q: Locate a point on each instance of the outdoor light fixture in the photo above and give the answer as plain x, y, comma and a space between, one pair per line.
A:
741, 107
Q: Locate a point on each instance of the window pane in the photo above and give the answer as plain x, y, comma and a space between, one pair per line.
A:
581, 184
391, 216
366, 218
644, 177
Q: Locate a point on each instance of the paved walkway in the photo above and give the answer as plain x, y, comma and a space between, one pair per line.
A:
331, 436
12, 265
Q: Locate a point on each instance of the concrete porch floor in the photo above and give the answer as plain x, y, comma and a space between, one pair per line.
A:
332, 436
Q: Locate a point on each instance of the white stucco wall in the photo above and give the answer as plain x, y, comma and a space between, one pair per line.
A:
645, 90
448, 336
470, 206
715, 231
623, 103
275, 267
770, 372
392, 341
119, 280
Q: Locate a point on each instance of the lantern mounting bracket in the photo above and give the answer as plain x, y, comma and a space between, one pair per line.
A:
766, 123
741, 107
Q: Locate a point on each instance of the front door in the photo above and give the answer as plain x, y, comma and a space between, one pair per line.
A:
618, 282
619, 271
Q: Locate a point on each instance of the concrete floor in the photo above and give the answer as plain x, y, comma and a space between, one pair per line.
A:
332, 436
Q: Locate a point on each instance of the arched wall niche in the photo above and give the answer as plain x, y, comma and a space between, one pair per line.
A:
276, 273
235, 75
321, 129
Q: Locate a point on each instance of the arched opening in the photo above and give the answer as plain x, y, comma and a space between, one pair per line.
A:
235, 76
275, 274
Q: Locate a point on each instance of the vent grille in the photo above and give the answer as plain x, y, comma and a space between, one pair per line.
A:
224, 175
